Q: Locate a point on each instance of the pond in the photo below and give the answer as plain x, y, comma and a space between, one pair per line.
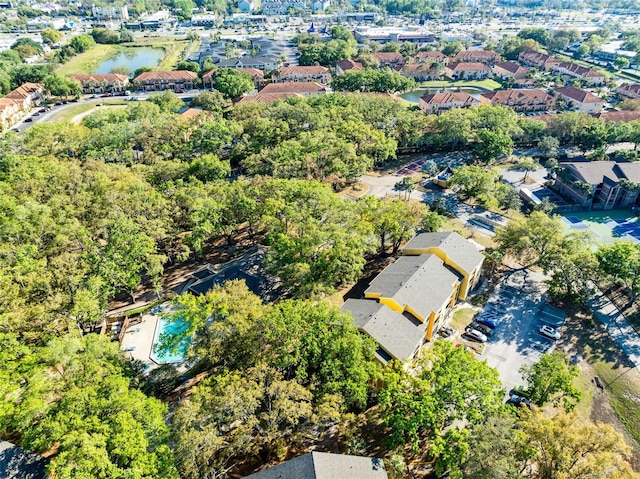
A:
414, 95
132, 58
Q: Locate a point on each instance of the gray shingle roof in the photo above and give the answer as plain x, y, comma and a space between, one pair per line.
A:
321, 465
455, 246
422, 282
15, 463
397, 334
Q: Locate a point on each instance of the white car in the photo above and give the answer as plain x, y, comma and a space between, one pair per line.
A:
549, 332
476, 335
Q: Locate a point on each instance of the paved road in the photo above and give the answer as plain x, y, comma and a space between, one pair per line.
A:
617, 326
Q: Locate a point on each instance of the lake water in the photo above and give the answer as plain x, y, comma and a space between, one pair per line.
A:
132, 58
414, 95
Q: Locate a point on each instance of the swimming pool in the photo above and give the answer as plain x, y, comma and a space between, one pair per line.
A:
163, 327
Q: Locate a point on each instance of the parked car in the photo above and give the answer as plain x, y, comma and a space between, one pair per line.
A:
487, 331
446, 331
520, 401
549, 332
475, 335
520, 391
28, 120
487, 321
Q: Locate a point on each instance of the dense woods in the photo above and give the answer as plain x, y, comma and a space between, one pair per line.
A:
91, 211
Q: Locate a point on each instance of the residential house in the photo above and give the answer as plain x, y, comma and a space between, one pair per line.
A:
208, 79
348, 65
430, 57
574, 71
409, 300
16, 463
578, 99
11, 112
165, 80
258, 62
468, 71
392, 60
541, 61
302, 88
623, 116
315, 73
509, 70
597, 184
422, 71
28, 94
322, 465
439, 102
629, 91
102, 83
479, 56
520, 100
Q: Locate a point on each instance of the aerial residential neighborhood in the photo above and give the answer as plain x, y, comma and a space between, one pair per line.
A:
308, 239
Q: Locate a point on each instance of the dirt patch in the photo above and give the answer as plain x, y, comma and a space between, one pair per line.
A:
590, 347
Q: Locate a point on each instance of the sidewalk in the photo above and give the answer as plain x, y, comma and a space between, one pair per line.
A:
617, 326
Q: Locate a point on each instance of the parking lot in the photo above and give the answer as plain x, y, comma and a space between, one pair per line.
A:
519, 309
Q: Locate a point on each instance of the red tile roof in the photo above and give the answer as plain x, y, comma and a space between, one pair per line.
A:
578, 94
268, 97
310, 70
617, 116
468, 66
430, 55
254, 72
346, 65
505, 96
25, 90
511, 67
449, 97
167, 75
293, 87
485, 54
578, 69
101, 77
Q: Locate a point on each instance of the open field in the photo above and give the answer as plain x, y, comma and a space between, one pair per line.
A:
175, 48
88, 61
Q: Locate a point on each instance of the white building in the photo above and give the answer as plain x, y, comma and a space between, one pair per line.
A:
110, 13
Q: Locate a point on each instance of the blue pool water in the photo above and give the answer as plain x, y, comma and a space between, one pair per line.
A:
166, 357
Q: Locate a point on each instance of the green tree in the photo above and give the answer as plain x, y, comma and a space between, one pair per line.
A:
211, 101
491, 145
473, 181
548, 147
620, 261
50, 37
187, 65
451, 385
621, 63
528, 164
582, 51
82, 43
563, 446
168, 101
540, 35
232, 83
452, 48
551, 380
121, 70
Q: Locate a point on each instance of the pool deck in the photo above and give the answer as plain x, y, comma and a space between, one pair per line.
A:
142, 340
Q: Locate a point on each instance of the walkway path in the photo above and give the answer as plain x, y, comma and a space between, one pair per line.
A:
617, 326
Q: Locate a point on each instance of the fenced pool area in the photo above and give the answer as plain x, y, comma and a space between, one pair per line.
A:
606, 226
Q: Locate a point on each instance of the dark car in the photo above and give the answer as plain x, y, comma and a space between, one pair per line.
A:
519, 401
486, 321
447, 331
28, 120
487, 331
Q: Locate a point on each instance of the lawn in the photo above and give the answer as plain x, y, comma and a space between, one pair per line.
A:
454, 224
88, 61
69, 113
487, 84
462, 318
